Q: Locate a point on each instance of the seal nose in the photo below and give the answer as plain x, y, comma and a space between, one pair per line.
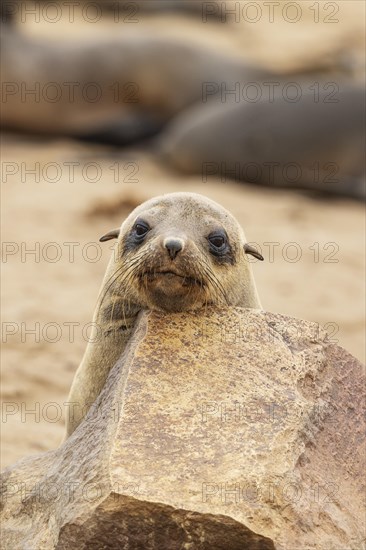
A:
173, 246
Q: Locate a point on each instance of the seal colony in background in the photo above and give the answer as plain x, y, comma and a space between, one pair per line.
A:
182, 98
177, 252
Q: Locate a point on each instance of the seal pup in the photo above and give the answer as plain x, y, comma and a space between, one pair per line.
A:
316, 143
176, 252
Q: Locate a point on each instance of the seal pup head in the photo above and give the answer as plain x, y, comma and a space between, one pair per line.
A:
182, 251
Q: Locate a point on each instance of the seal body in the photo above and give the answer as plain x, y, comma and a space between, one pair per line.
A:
114, 88
316, 143
177, 252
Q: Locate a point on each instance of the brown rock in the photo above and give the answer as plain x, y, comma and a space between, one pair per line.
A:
233, 429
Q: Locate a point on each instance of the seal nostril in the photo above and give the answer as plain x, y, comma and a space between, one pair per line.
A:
173, 246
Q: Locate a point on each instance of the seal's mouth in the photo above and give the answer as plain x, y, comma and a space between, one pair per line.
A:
171, 289
173, 276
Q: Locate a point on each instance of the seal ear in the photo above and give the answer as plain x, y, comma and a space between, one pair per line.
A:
253, 252
114, 234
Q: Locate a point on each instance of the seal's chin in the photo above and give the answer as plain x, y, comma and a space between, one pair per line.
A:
171, 291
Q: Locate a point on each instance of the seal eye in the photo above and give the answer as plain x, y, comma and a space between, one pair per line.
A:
218, 242
140, 229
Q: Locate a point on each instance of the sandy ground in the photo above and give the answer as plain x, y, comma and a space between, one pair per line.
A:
52, 263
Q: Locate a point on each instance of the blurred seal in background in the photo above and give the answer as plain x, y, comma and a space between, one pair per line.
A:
113, 89
316, 142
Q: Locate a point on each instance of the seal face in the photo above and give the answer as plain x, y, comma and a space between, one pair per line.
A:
181, 252
174, 272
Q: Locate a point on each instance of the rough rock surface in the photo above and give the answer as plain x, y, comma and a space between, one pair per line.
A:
229, 429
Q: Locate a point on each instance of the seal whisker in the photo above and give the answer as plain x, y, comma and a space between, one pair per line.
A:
114, 277
213, 279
